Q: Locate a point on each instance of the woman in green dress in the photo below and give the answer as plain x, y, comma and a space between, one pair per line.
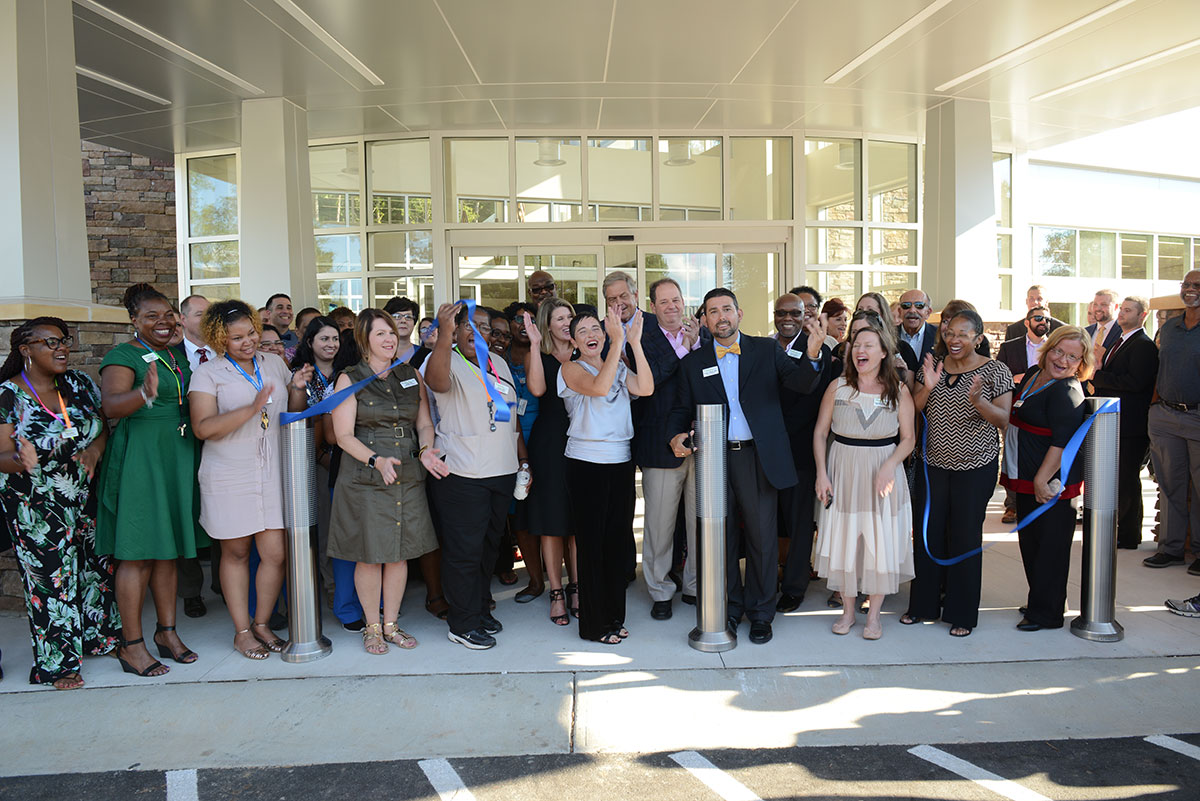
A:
148, 492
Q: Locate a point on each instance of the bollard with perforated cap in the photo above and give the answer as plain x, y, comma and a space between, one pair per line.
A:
711, 634
305, 641
1098, 575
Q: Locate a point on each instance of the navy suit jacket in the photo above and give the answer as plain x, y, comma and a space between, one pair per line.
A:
800, 408
1114, 333
1129, 374
651, 440
762, 368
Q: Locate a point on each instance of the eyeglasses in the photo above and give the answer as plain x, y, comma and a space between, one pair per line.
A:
908, 304
272, 345
497, 334
1038, 318
484, 328
789, 313
1189, 285
402, 316
1058, 353
54, 343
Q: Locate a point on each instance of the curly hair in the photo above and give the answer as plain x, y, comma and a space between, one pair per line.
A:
215, 324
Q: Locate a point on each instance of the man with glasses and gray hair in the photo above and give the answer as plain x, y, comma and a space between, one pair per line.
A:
913, 329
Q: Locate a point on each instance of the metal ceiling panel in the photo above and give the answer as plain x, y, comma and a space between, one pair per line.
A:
653, 114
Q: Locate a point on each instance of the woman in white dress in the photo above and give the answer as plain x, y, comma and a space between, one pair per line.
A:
865, 516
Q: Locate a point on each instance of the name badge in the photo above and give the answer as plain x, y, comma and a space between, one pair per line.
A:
504, 388
709, 372
149, 357
1017, 404
795, 354
409, 383
881, 402
522, 405
70, 433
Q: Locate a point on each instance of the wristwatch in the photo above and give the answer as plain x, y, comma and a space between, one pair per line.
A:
371, 461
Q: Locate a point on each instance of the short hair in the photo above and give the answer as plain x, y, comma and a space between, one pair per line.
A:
1073, 332
494, 314
262, 309
272, 329
807, 290
515, 309
1142, 303
668, 280
271, 299
1035, 310
1039, 287
363, 324
719, 292
402, 304
971, 316
186, 302
340, 313
1111, 293
214, 325
833, 307
544, 313
580, 317
307, 310
614, 277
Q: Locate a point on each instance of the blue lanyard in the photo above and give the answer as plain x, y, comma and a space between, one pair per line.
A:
257, 384
1027, 394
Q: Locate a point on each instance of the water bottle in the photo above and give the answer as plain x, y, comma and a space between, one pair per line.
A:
521, 491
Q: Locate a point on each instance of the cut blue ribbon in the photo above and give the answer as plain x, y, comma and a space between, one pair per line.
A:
500, 406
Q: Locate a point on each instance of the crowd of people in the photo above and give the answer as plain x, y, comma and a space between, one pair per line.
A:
864, 443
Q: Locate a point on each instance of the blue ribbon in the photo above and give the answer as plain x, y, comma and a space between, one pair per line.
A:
500, 406
1070, 451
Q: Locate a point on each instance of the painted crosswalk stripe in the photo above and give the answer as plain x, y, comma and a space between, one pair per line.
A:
1178, 746
984, 778
181, 785
716, 779
445, 780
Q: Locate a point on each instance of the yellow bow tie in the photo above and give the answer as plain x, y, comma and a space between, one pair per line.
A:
735, 349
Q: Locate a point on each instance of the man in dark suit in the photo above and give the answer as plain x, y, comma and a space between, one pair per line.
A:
1034, 296
913, 329
796, 519
744, 373
1105, 331
1127, 370
1019, 354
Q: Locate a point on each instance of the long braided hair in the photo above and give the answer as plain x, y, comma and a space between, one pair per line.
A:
15, 362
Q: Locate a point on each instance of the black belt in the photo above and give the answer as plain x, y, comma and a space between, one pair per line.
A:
738, 444
1180, 407
867, 443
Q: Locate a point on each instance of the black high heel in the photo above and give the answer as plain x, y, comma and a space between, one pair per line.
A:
165, 651
573, 589
558, 620
128, 668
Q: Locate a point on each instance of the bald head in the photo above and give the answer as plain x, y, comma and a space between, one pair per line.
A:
541, 286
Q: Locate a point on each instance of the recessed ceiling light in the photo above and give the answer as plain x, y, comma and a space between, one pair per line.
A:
119, 84
313, 27
1122, 68
887, 41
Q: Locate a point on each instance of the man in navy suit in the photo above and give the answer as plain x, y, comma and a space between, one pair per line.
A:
1105, 331
914, 311
1127, 370
744, 374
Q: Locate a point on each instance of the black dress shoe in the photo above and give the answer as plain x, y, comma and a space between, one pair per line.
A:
489, 625
661, 610
760, 632
690, 600
731, 623
1161, 559
194, 607
1028, 625
1128, 546
789, 603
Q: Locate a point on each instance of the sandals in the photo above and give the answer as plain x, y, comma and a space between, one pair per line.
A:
149, 671
960, 631
256, 653
398, 636
563, 619
612, 638
573, 589
437, 607
186, 658
528, 594
373, 643
68, 681
909, 620
275, 645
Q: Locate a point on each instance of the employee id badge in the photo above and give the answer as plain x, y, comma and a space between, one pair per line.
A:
409, 383
522, 405
71, 432
504, 388
880, 402
1017, 404
149, 357
709, 372
795, 354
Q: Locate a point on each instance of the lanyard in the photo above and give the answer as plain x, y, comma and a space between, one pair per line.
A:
256, 382
321, 378
65, 419
479, 375
173, 367
1027, 394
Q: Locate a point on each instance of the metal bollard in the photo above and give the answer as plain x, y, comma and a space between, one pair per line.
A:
305, 642
711, 634
1097, 619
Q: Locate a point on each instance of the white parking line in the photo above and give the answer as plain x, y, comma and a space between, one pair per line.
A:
181, 785
716, 779
1178, 746
984, 778
445, 780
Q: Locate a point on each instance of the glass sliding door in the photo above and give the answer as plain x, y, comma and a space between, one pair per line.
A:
498, 276
752, 272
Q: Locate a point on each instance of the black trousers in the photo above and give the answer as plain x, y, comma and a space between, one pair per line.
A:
600, 512
753, 509
1130, 459
1046, 554
471, 513
796, 522
958, 504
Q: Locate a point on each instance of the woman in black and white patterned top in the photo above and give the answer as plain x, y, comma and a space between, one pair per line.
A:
966, 398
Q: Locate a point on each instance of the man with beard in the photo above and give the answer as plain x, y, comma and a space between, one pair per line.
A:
1019, 355
1104, 331
913, 330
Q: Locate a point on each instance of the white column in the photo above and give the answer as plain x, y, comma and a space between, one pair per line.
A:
958, 253
41, 178
277, 249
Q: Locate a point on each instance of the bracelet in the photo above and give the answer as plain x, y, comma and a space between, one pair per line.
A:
146, 399
422, 450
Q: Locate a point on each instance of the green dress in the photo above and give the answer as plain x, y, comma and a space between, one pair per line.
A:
149, 498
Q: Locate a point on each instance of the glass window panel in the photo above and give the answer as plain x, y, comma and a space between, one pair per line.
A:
889, 284
1006, 293
892, 182
690, 175
1196, 251
696, 273
671, 214
399, 182
1067, 312
619, 178
212, 196
414, 287
893, 246
488, 280
1097, 254
833, 179
753, 277
214, 260
549, 169
1054, 251
335, 292
1004, 251
1135, 255
334, 172
476, 180
1002, 186
402, 249
339, 253
574, 275
1173, 255
218, 291
760, 170
838, 283
834, 246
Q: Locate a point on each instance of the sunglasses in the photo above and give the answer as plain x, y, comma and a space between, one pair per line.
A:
1038, 318
908, 304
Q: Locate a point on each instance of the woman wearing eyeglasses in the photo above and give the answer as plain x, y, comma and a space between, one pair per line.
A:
236, 401
147, 494
271, 342
1047, 411
53, 435
965, 398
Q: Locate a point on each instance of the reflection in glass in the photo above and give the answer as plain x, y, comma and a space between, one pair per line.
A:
401, 250
1054, 251
549, 180
1002, 186
834, 246
399, 182
689, 176
1135, 255
418, 288
760, 170
696, 273
339, 253
334, 172
753, 277
574, 275
833, 179
332, 293
1097, 254
842, 284
619, 179
476, 180
214, 260
1004, 251
893, 246
488, 280
892, 177
1006, 293
890, 285
212, 196
218, 291
1172, 258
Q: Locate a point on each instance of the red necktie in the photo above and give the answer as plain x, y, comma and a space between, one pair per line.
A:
1112, 350
203, 354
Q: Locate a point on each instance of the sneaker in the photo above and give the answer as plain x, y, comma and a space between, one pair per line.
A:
1009, 516
355, 625
475, 640
1189, 607
1194, 568
1161, 559
489, 625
